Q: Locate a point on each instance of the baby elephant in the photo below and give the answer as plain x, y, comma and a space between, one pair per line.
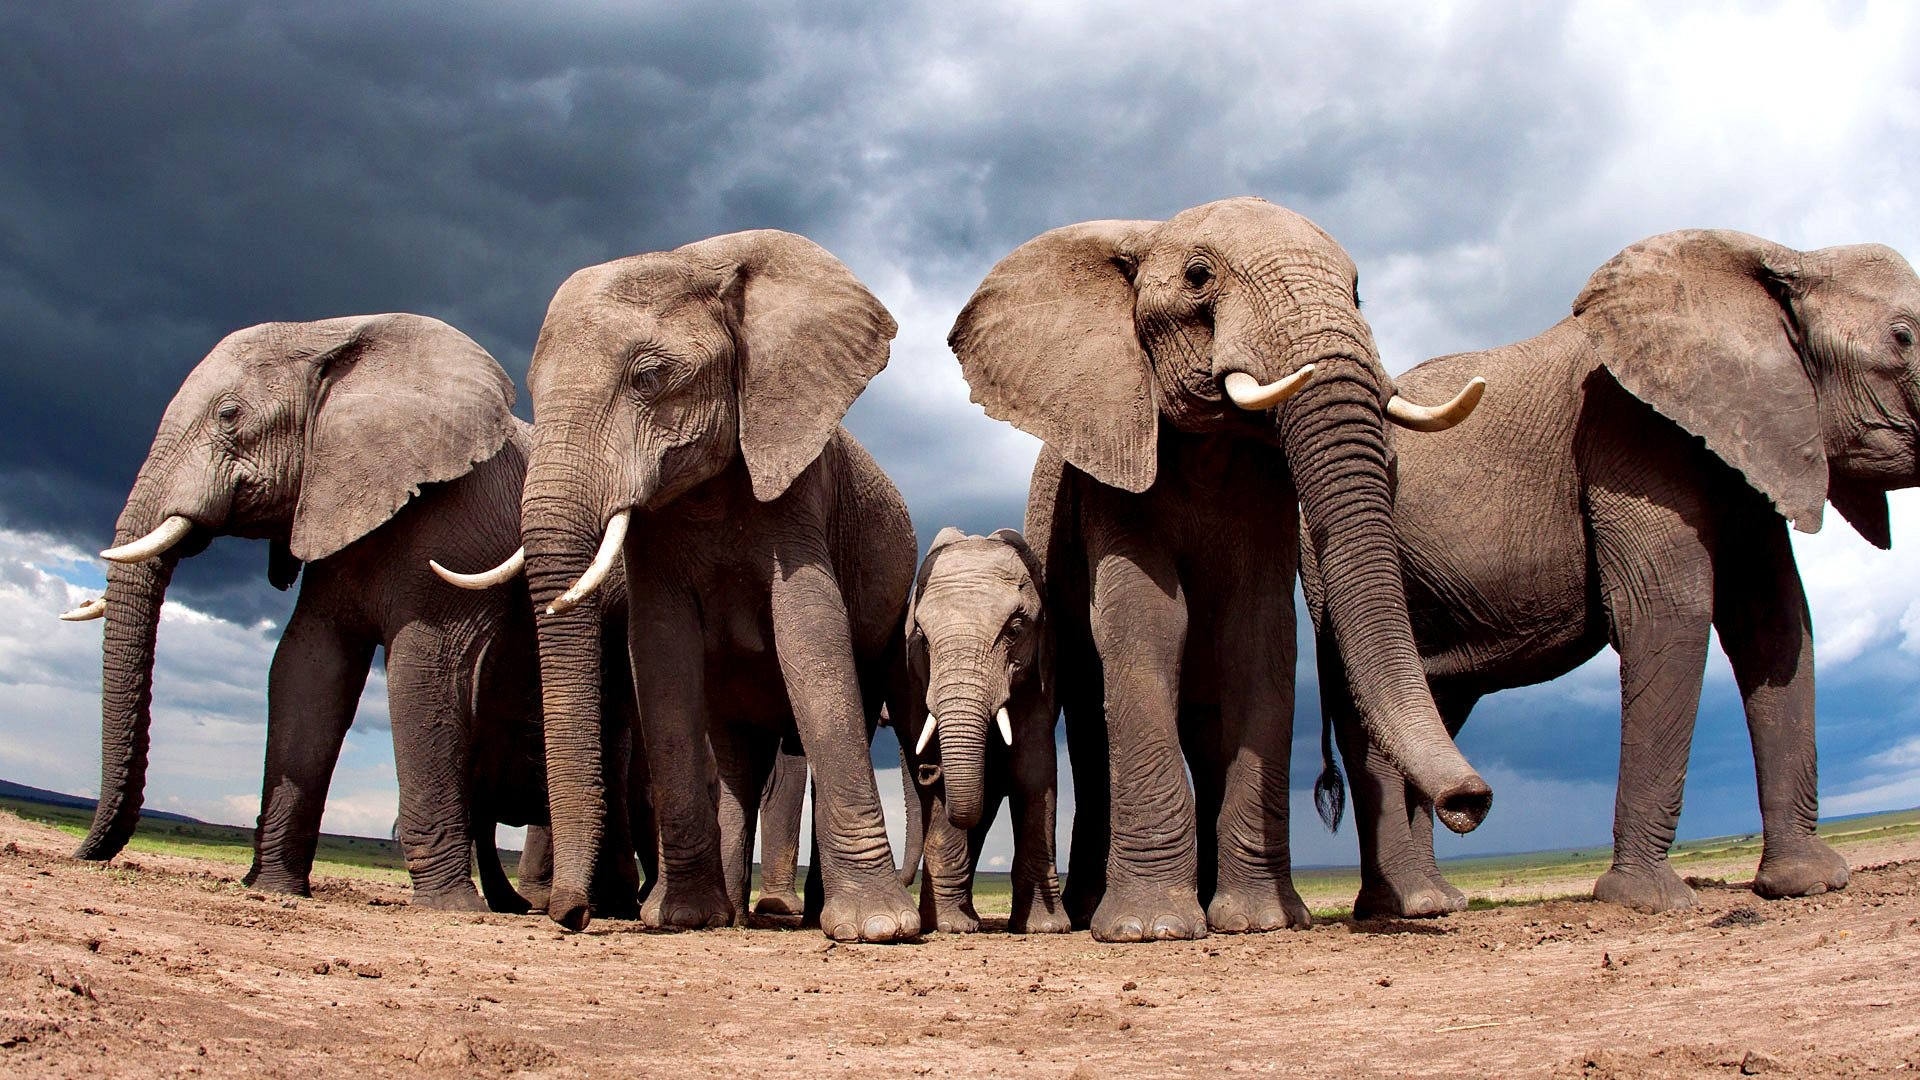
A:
977, 656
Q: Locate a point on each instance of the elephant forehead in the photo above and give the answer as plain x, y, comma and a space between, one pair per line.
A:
1253, 217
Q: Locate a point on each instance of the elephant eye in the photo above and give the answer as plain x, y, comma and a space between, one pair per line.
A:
228, 413
646, 379
1903, 335
1198, 274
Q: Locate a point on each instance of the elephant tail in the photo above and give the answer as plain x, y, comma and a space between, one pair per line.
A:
1330, 791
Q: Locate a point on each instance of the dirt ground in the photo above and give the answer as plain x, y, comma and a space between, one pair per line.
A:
159, 965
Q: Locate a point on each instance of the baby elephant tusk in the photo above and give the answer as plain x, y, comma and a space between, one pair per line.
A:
92, 609
485, 579
1006, 725
1437, 417
926, 734
170, 532
1247, 392
598, 570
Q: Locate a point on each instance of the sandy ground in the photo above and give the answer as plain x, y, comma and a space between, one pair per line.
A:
165, 966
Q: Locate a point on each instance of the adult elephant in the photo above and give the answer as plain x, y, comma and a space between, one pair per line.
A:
1632, 485
696, 395
352, 446
1192, 379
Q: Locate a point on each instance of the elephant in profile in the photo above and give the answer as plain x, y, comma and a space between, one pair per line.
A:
1631, 485
1197, 381
687, 410
977, 657
353, 446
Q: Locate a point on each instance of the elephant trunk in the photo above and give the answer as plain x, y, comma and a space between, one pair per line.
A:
1335, 444
960, 697
560, 534
134, 596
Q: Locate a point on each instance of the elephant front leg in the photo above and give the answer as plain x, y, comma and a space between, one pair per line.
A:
745, 759
1256, 643
494, 886
432, 730
1037, 904
315, 683
669, 664
946, 897
781, 805
1394, 882
1139, 629
864, 899
1768, 636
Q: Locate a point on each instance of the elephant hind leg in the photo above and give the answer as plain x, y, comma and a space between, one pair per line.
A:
781, 806
431, 733
1454, 708
494, 886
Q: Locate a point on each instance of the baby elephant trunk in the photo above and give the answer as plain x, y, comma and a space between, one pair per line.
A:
962, 710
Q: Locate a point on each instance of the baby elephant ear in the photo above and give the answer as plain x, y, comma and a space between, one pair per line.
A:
1048, 344
1699, 324
810, 338
941, 539
1013, 539
400, 401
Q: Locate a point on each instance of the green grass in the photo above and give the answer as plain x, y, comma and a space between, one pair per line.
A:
1520, 878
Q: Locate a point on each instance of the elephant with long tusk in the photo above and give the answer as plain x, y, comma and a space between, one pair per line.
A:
1197, 382
354, 447
977, 658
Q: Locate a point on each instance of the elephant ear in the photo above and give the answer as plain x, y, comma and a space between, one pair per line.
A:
1013, 539
1048, 344
400, 401
1699, 325
810, 339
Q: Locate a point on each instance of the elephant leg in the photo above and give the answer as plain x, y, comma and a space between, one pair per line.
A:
1761, 613
781, 805
494, 886
1657, 582
946, 897
745, 757
1085, 722
432, 732
669, 675
1453, 712
312, 690
1200, 746
864, 898
615, 893
1394, 882
1256, 644
536, 868
1037, 902
1140, 628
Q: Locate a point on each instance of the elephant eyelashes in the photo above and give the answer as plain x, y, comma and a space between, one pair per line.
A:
228, 414
1198, 275
646, 379
1903, 336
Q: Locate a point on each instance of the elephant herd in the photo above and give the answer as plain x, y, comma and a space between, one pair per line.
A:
623, 624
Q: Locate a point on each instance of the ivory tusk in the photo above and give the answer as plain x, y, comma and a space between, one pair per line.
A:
926, 734
1247, 392
170, 532
1437, 417
1006, 725
601, 566
92, 609
485, 579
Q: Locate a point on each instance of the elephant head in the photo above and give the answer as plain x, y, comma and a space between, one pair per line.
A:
975, 639
651, 375
1799, 369
309, 435
1235, 316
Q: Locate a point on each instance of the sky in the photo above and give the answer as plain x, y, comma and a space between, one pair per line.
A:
170, 173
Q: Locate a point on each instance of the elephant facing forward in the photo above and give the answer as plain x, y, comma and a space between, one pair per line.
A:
1631, 485
687, 407
1194, 379
356, 447
977, 657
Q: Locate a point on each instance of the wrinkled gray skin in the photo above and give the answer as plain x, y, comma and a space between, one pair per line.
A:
1167, 523
768, 561
976, 644
1628, 480
314, 437
781, 804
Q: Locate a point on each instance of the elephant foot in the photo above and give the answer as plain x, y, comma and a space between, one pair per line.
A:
1274, 907
534, 895
1414, 896
1079, 906
455, 899
512, 903
958, 918
1651, 890
1806, 868
694, 905
1146, 913
878, 911
1040, 918
783, 902
284, 884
